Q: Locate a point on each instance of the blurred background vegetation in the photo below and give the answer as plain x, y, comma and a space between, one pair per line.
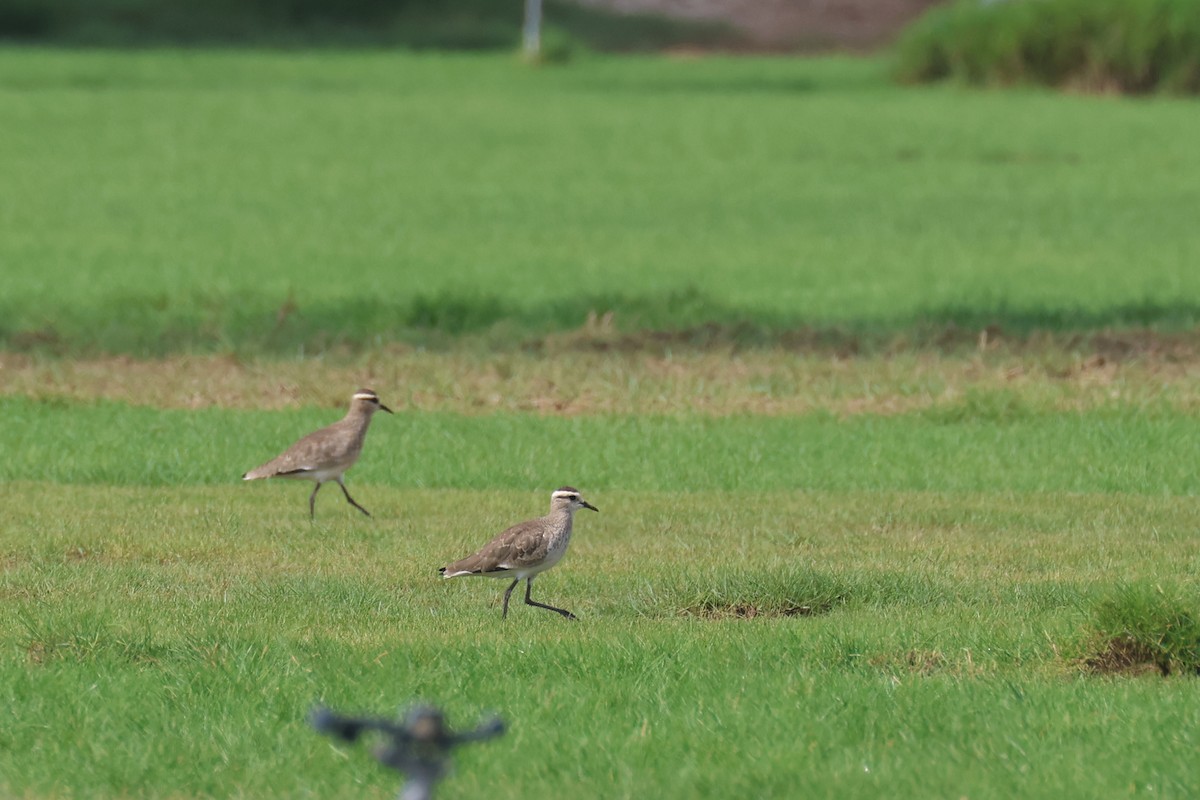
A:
414, 24
1128, 46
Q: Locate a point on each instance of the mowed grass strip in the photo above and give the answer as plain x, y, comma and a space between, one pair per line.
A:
169, 641
986, 442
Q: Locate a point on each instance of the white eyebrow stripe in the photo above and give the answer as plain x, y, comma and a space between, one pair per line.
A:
565, 494
365, 396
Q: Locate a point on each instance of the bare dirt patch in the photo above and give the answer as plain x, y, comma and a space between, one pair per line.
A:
1125, 656
749, 611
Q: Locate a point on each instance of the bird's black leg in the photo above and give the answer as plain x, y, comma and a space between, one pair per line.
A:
351, 499
531, 602
312, 499
511, 586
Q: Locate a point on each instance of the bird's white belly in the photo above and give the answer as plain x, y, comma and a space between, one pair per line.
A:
318, 475
557, 549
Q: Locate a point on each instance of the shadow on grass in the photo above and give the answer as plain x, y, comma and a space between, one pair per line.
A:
786, 591
155, 326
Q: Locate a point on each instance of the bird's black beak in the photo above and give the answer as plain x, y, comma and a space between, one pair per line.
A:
382, 407
586, 504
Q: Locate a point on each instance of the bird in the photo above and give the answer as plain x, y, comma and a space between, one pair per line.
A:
526, 549
419, 746
326, 454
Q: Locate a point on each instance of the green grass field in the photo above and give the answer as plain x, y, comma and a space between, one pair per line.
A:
167, 641
892, 428
245, 202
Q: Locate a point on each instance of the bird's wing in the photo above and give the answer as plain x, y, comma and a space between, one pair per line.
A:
303, 456
350, 728
518, 546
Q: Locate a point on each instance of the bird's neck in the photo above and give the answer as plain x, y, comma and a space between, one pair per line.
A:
358, 415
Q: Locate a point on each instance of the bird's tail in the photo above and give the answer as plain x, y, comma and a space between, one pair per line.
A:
257, 472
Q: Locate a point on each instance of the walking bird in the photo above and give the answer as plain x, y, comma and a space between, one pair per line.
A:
527, 549
325, 455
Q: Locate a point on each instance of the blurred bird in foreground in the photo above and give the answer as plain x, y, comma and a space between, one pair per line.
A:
419, 746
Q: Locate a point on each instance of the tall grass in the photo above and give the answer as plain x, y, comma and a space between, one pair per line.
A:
1107, 45
1150, 624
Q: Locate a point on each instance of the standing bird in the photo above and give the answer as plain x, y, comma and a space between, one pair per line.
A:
326, 454
526, 549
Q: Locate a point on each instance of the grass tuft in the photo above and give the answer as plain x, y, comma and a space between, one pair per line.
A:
785, 590
744, 594
1144, 626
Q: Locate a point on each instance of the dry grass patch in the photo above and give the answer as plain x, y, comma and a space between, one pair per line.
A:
568, 381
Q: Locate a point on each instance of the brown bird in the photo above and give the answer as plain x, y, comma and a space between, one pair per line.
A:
326, 454
526, 549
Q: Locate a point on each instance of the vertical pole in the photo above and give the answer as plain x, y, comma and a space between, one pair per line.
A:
531, 34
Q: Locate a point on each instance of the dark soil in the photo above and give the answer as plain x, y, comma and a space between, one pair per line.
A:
1124, 656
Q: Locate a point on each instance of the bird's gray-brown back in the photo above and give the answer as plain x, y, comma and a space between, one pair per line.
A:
526, 544
339, 444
